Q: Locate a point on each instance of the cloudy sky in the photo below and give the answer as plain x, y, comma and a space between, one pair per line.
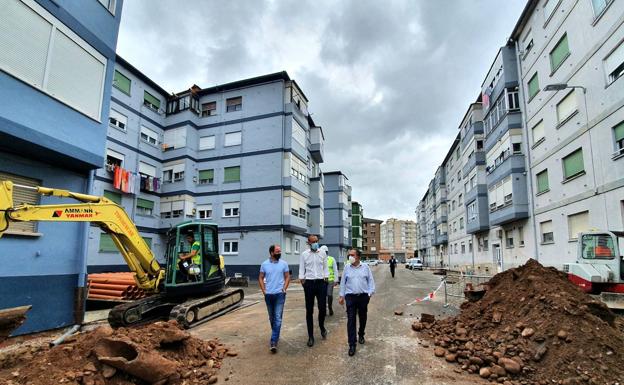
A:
389, 81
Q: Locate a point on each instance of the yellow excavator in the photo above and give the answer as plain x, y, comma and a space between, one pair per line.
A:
188, 293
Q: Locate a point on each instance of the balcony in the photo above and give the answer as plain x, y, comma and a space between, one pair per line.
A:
476, 159
511, 119
316, 144
295, 224
439, 238
473, 193
480, 222
506, 164
515, 205
316, 191
475, 128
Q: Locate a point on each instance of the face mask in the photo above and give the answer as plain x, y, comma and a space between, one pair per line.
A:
314, 246
351, 259
277, 256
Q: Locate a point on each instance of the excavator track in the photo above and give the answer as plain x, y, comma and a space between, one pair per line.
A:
198, 310
152, 308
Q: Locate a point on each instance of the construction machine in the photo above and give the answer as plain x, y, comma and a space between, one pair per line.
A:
187, 295
599, 267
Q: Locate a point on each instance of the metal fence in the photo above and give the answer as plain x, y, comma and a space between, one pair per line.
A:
455, 284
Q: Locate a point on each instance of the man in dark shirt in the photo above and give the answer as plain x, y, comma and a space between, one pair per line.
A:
393, 263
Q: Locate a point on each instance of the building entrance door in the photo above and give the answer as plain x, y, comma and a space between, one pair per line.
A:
497, 257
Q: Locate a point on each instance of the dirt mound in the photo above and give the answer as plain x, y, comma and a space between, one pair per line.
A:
158, 353
533, 326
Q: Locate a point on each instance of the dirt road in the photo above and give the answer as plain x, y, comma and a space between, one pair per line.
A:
393, 354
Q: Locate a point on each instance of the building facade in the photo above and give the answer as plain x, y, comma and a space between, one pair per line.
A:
337, 215
244, 155
398, 237
56, 71
371, 238
357, 225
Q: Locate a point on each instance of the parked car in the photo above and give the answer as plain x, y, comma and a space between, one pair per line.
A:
415, 264
371, 262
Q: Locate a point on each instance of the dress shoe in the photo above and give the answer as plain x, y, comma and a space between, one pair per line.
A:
324, 333
331, 312
351, 351
273, 348
311, 341
361, 340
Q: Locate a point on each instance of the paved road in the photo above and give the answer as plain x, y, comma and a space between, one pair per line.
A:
393, 353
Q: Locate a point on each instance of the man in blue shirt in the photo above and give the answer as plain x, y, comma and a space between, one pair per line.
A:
274, 279
356, 287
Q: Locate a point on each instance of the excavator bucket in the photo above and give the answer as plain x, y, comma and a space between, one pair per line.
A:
11, 319
6, 202
613, 300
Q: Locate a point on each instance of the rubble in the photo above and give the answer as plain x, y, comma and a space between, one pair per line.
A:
532, 326
158, 353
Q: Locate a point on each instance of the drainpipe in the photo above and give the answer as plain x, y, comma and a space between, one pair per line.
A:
80, 294
528, 151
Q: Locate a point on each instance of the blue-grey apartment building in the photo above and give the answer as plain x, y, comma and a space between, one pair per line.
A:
244, 155
338, 212
56, 69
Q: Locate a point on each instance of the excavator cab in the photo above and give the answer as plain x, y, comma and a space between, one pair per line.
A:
201, 272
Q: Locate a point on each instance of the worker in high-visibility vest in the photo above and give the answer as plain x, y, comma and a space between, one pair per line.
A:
191, 262
333, 279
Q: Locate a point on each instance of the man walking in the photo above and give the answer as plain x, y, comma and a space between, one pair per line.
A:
393, 263
332, 280
313, 274
356, 287
277, 276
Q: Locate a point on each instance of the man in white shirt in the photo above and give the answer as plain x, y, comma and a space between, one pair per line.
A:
313, 274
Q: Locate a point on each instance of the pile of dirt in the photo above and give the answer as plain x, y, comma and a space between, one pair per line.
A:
159, 353
532, 326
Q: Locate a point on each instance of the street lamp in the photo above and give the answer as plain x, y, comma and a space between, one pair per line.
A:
562, 86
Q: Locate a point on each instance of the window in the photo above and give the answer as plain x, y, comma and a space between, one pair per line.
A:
113, 196
204, 211
538, 132
206, 176
109, 5
144, 206
22, 196
207, 142
299, 170
542, 182
147, 169
533, 86
209, 109
148, 241
599, 6
149, 136
121, 82
297, 246
516, 148
485, 244
472, 211
546, 228
618, 134
509, 240
573, 164
461, 223
106, 244
173, 173
298, 133
559, 53
171, 209
230, 247
614, 63
549, 8
115, 119
231, 209
151, 101
479, 145
233, 138
231, 174
234, 104
577, 223
513, 100
521, 236
470, 246
37, 46
113, 158
566, 107
459, 199
463, 247
175, 138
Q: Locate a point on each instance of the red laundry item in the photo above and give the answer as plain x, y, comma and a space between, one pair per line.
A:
124, 180
117, 178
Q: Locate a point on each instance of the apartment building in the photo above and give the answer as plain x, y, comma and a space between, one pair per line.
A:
571, 62
56, 71
371, 238
357, 215
398, 237
338, 210
244, 155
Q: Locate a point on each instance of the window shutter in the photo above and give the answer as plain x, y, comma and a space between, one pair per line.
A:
566, 107
118, 117
559, 53
547, 227
533, 86
106, 243
233, 138
177, 205
147, 169
206, 174
113, 196
538, 131
231, 174
148, 241
144, 203
615, 59
115, 154
234, 101
22, 196
207, 142
542, 181
577, 223
151, 99
165, 207
573, 164
619, 132
122, 82
178, 168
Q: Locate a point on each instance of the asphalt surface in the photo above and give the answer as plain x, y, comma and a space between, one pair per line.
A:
393, 353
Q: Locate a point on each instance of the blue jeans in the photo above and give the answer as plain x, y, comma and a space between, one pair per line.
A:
275, 307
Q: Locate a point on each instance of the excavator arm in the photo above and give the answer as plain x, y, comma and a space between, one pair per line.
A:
109, 216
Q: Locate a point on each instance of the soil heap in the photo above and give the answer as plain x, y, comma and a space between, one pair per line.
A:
533, 326
159, 353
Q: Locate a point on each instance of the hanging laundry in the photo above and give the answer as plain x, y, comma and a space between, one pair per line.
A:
117, 178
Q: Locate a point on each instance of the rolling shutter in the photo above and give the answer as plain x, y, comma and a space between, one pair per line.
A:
144, 203
206, 174
566, 107
538, 132
148, 241
122, 82
151, 99
22, 196
559, 53
113, 196
542, 181
577, 223
231, 174
619, 132
147, 169
106, 243
573, 164
533, 86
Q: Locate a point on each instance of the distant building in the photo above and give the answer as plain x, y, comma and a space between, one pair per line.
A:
357, 213
371, 238
337, 214
399, 237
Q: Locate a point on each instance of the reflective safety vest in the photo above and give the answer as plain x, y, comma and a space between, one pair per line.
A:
331, 262
197, 258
